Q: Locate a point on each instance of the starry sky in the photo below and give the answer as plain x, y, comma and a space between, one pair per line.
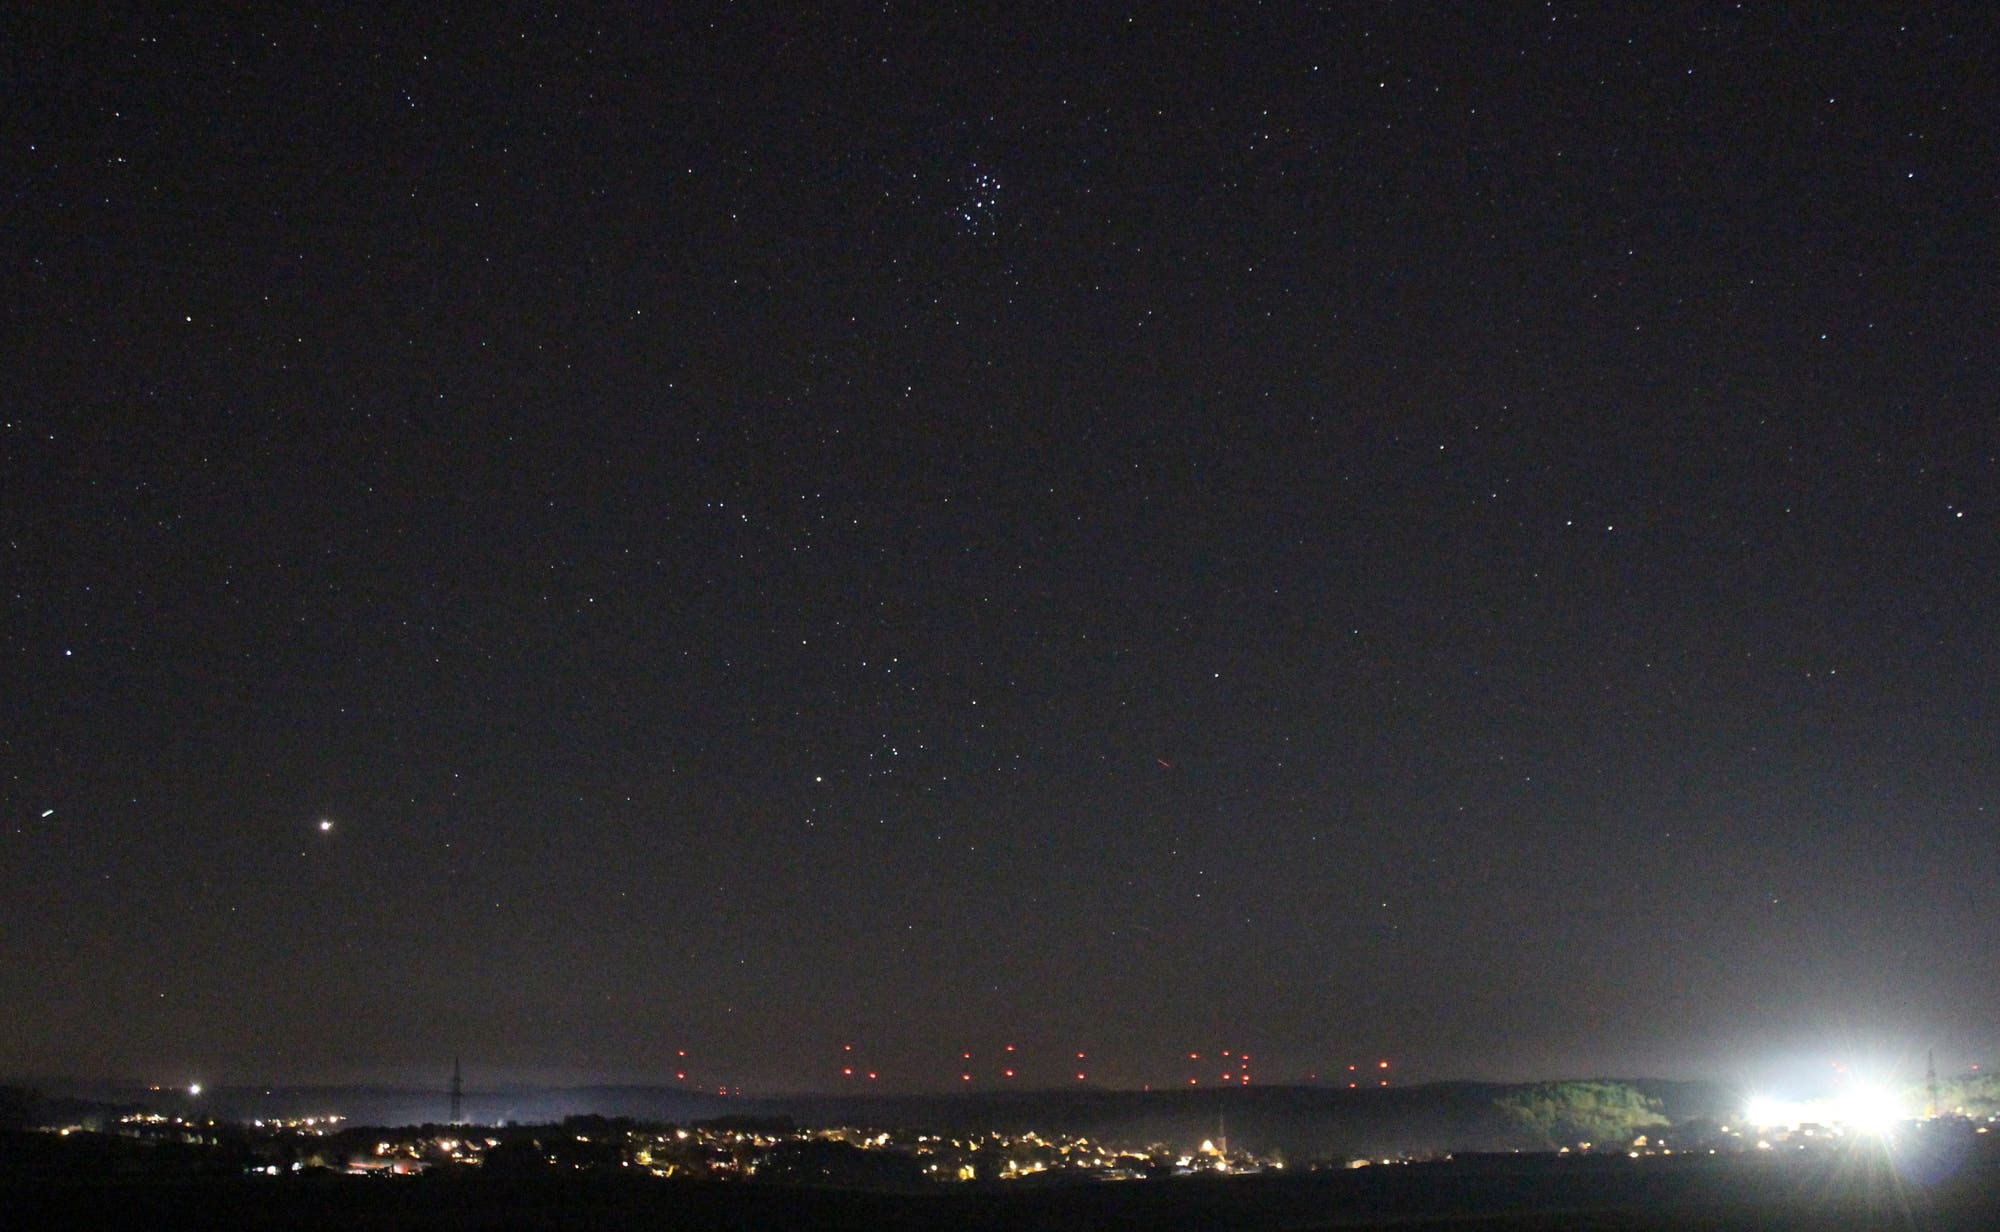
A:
622, 543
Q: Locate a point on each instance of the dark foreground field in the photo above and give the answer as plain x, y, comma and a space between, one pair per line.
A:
1863, 1189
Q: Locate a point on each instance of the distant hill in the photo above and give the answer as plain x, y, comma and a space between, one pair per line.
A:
1302, 1122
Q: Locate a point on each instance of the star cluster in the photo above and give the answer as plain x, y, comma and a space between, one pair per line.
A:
569, 540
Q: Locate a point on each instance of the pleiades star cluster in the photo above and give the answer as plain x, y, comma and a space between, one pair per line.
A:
757, 547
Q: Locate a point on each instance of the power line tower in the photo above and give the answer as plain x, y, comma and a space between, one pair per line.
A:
457, 1094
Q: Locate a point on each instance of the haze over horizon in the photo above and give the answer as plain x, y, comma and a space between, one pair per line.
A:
1462, 537
1806, 1075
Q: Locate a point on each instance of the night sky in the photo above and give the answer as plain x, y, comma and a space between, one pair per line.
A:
1462, 534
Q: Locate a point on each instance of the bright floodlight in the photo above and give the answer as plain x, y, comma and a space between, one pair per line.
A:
1868, 1110
1763, 1112
194, 1088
